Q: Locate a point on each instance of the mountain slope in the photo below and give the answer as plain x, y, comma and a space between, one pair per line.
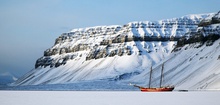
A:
104, 68
189, 68
125, 54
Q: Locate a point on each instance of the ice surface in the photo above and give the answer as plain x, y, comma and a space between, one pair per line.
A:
98, 85
107, 98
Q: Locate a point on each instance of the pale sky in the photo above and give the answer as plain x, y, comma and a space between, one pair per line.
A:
28, 27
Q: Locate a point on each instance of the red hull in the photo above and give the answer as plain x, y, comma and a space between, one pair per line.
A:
162, 89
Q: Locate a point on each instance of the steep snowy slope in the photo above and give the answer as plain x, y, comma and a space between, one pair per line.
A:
189, 68
125, 54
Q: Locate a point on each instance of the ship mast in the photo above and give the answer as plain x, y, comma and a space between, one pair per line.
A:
150, 76
161, 76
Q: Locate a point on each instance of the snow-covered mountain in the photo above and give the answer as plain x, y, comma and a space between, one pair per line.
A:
6, 78
126, 53
195, 62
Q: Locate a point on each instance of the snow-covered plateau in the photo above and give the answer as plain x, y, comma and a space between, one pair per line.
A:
112, 57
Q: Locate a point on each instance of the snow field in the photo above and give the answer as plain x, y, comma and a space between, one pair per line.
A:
107, 98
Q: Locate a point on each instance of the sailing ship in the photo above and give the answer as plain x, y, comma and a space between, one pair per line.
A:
156, 89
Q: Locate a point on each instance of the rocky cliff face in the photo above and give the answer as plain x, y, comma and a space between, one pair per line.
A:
108, 41
208, 31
